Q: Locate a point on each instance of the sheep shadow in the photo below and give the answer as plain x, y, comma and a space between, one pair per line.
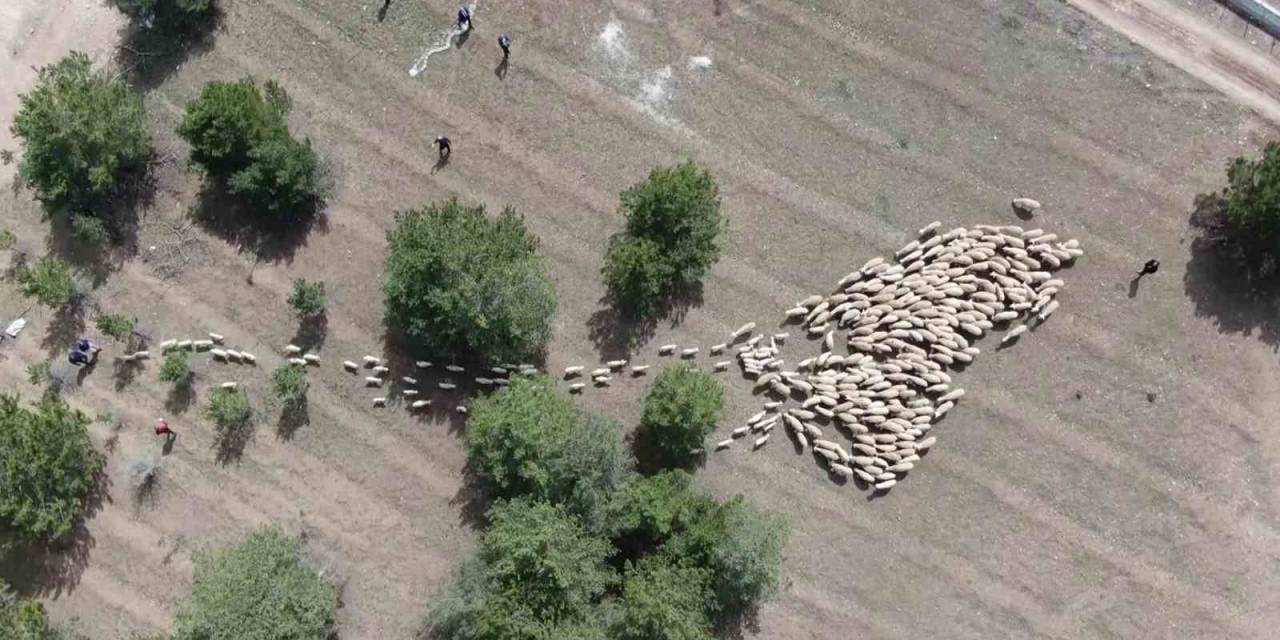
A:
52, 569
149, 55
616, 333
267, 238
1232, 279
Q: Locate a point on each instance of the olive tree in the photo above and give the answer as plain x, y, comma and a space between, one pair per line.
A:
681, 410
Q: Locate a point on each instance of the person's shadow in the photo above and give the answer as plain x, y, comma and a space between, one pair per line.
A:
1133, 285
382, 11
441, 162
169, 439
501, 69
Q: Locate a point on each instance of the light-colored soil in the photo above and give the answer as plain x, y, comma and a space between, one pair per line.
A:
1059, 502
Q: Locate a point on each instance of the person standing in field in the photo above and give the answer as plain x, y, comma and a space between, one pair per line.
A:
504, 42
444, 147
162, 429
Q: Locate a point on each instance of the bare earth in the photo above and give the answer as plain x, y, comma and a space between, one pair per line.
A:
1060, 501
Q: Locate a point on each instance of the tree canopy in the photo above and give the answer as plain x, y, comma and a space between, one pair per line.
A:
663, 600
49, 282
1253, 200
459, 281
257, 590
48, 467
681, 410
80, 129
673, 226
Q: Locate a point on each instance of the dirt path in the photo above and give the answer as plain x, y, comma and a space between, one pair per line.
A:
1196, 46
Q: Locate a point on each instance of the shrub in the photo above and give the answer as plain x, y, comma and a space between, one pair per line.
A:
176, 367
648, 510
115, 325
257, 590
289, 384
677, 209
308, 298
529, 440
49, 282
663, 600
238, 133
741, 548
88, 230
48, 467
459, 281
1253, 200
169, 15
680, 411
38, 372
7, 239
637, 274
229, 410
80, 129
25, 620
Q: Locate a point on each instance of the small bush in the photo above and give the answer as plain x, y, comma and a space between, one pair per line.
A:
38, 372
1253, 201
115, 325
663, 600
681, 410
229, 410
49, 282
25, 620
289, 384
529, 440
677, 210
48, 467
7, 239
176, 367
168, 15
88, 230
239, 133
80, 129
257, 590
308, 298
458, 281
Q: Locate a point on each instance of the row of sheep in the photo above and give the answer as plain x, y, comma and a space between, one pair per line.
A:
213, 345
904, 323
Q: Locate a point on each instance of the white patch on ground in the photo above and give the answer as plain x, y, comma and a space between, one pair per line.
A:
656, 88
699, 63
611, 38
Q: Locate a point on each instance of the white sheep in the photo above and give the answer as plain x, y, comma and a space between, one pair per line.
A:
408, 380
1014, 333
216, 337
420, 404
291, 349
639, 369
167, 345
228, 385
380, 370
744, 330
447, 385
421, 364
667, 349
453, 368
350, 366
183, 344
689, 353
312, 358
372, 382
577, 387
721, 366
716, 349
248, 357
370, 361
616, 364
760, 441
380, 402
570, 372
234, 355
297, 362
409, 392
462, 409
218, 354
724, 444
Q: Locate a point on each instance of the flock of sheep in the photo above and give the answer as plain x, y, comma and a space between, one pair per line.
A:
905, 323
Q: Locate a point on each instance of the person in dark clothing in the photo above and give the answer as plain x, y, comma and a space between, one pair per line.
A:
464, 19
1149, 268
504, 42
78, 358
445, 148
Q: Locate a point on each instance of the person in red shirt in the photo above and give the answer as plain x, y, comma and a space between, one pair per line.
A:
162, 429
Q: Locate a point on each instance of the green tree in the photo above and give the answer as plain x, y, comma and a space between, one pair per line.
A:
663, 600
80, 130
257, 590
681, 410
115, 325
49, 282
457, 280
25, 620
176, 367
740, 547
648, 510
529, 440
239, 133
677, 210
48, 467
308, 298
168, 15
1253, 200
88, 230
289, 385
229, 411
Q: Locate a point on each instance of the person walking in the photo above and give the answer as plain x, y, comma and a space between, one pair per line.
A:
162, 429
464, 19
504, 42
1149, 268
445, 148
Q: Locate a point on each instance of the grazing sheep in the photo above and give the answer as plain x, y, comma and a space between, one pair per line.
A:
1014, 333
639, 369
228, 385
291, 349
716, 349
744, 330
408, 380
409, 392
724, 444
721, 366
218, 353
420, 404
689, 353
380, 370
234, 355
184, 344
380, 402
760, 441
350, 366
201, 345
796, 313
167, 345
299, 362
216, 337
603, 371
372, 382
461, 409
370, 361
453, 368
421, 364
616, 364
577, 387
248, 357
484, 382
312, 358
602, 381
570, 372
667, 349
447, 385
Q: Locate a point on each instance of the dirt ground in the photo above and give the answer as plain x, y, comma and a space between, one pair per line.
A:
1112, 476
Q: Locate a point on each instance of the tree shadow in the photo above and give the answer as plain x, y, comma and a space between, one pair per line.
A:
1232, 279
181, 396
229, 444
55, 568
472, 500
311, 333
149, 55
738, 624
227, 216
66, 325
617, 334
293, 416
651, 459
124, 372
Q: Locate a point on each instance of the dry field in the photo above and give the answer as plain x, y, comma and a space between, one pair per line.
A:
1112, 476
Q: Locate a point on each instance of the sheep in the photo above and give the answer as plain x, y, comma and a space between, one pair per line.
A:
781, 337
744, 330
638, 370
570, 372
577, 387
409, 392
796, 313
885, 485
228, 385
371, 381
297, 362
500, 371
141, 355
380, 401
312, 358
370, 361
380, 370
616, 364
721, 366
184, 344
447, 385
350, 366
724, 444
740, 431
1048, 310
453, 368
716, 349
602, 371
216, 337
1014, 333
291, 349
420, 404
201, 345
218, 354
667, 349
249, 358
929, 228
484, 382
602, 381
462, 409
234, 355
954, 394
689, 353
760, 441
167, 345
421, 364
923, 445
408, 380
